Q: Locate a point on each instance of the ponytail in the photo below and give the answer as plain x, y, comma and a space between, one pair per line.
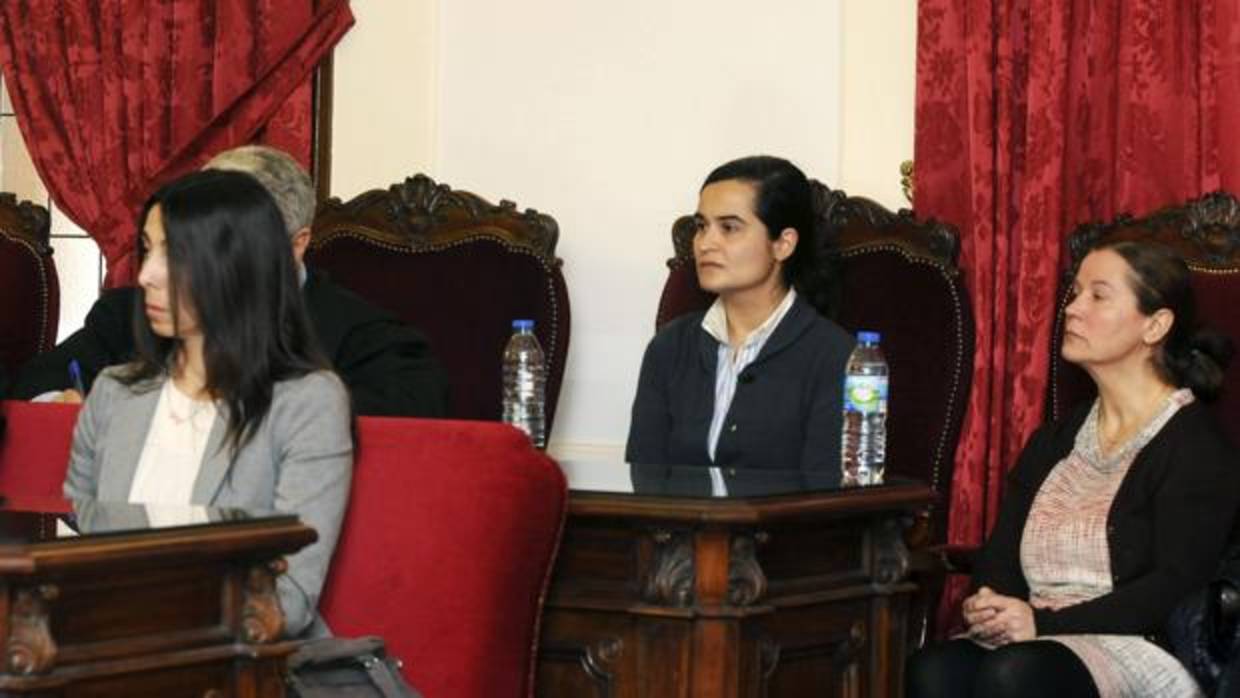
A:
1198, 362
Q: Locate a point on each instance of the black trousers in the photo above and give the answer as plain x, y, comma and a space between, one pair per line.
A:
1034, 669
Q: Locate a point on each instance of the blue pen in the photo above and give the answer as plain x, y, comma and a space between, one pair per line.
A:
75, 374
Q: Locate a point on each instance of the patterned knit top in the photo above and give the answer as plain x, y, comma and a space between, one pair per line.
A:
1066, 559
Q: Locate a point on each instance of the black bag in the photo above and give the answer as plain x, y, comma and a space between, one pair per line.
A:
1204, 634
346, 668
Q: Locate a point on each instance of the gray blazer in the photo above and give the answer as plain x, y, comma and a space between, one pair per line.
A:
300, 460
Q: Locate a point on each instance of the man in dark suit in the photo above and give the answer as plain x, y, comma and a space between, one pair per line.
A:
386, 364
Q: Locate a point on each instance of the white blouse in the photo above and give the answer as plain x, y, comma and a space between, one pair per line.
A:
731, 362
174, 449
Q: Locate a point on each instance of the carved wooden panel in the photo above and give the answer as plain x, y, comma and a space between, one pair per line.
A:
582, 660
179, 612
808, 598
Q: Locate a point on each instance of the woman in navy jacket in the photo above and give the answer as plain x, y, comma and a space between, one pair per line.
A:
756, 380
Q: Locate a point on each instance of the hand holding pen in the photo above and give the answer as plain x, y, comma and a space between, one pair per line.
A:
78, 392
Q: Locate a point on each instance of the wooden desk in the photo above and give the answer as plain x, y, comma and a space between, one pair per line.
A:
793, 595
132, 610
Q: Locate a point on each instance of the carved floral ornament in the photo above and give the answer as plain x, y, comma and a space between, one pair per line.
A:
31, 648
262, 619
670, 582
1206, 231
891, 555
419, 213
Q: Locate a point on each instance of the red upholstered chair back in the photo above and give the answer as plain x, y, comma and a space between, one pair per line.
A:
460, 269
898, 276
1206, 233
34, 451
30, 301
446, 552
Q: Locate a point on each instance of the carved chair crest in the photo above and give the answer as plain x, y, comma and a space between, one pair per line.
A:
1204, 231
418, 214
431, 255
26, 222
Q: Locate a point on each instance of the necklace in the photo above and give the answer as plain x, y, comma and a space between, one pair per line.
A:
188, 411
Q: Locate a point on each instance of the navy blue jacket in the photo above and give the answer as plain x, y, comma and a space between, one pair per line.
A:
786, 412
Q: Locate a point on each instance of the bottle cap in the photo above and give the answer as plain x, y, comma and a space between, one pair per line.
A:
868, 337
523, 324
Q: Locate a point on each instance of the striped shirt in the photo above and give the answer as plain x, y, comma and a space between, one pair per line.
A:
731, 362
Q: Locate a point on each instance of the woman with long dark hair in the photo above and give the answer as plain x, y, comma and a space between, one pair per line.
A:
756, 381
229, 402
1112, 514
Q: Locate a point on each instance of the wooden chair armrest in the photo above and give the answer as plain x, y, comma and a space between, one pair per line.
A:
959, 559
944, 559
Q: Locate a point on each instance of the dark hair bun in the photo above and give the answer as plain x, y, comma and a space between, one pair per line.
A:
1200, 363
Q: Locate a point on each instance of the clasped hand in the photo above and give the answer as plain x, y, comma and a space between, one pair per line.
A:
996, 619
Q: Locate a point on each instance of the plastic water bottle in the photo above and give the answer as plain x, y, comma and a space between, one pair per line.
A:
525, 383
863, 451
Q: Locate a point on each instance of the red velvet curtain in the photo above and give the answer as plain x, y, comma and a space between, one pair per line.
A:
1034, 116
115, 96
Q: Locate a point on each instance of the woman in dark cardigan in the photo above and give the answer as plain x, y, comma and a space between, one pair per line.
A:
1112, 514
756, 381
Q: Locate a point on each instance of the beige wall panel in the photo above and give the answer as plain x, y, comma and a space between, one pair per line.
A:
880, 54
384, 96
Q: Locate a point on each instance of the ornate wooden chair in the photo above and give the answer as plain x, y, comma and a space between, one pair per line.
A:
898, 276
460, 269
1206, 233
30, 303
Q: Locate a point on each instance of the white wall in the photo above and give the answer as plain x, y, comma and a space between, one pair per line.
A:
880, 55
607, 116
383, 102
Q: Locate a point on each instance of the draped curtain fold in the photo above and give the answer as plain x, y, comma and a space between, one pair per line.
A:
114, 97
1033, 116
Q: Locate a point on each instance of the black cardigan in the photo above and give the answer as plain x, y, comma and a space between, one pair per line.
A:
786, 412
386, 364
1166, 529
